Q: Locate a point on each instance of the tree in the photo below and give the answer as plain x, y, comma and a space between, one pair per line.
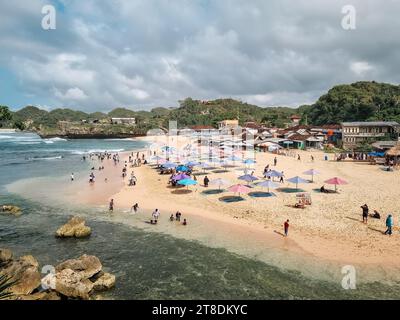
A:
5, 113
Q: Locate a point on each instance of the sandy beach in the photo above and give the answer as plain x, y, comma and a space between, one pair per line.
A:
331, 228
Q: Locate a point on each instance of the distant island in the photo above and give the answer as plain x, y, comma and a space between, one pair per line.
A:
360, 101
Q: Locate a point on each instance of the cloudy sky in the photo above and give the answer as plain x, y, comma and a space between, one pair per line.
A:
146, 53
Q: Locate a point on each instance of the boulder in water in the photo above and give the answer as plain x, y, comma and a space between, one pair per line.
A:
74, 228
5, 256
104, 282
72, 284
86, 266
13, 210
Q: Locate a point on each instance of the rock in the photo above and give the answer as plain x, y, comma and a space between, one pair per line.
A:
14, 210
25, 272
74, 228
46, 295
5, 256
105, 282
86, 266
72, 285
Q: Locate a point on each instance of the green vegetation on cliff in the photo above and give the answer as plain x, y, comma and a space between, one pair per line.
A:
360, 101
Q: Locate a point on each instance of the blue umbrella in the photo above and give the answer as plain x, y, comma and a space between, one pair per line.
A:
249, 161
248, 178
268, 184
169, 165
192, 163
187, 182
297, 180
182, 169
274, 173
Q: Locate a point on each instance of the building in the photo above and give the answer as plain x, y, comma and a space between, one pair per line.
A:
355, 133
228, 124
128, 121
295, 120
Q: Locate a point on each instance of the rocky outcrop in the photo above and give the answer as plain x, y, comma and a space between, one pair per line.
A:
104, 282
9, 209
74, 228
72, 279
86, 266
24, 273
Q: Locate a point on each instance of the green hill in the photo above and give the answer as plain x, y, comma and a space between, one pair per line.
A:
360, 101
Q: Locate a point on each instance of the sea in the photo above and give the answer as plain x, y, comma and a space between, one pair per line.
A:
147, 264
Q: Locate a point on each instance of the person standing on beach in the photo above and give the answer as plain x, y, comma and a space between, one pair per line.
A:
286, 227
365, 211
275, 161
206, 181
389, 224
111, 206
282, 176
72, 176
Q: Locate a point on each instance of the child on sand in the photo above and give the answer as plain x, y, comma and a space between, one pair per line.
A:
365, 211
286, 227
389, 224
184, 222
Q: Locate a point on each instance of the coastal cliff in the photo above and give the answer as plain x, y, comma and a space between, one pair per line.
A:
72, 130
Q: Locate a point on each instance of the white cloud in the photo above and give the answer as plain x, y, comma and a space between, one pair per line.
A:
142, 54
360, 67
74, 94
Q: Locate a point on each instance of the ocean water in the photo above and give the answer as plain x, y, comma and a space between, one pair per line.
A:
148, 265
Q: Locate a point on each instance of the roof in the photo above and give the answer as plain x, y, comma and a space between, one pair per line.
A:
201, 127
299, 137
384, 144
371, 124
394, 151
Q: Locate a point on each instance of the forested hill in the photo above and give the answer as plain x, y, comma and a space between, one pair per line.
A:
360, 101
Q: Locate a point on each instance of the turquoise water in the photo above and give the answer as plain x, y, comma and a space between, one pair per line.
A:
148, 265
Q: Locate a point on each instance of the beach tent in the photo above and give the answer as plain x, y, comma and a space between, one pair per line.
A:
336, 181
312, 173
239, 188
268, 184
297, 180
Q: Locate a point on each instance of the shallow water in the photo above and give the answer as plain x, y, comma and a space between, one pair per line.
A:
148, 264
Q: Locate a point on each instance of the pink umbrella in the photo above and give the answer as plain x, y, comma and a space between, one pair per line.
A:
239, 188
336, 181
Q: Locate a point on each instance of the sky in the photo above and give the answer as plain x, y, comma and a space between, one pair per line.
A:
142, 54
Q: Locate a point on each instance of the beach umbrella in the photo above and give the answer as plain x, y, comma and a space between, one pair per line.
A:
336, 181
311, 173
249, 161
169, 165
187, 182
220, 182
233, 158
297, 180
180, 176
274, 174
239, 188
192, 163
158, 159
204, 166
182, 169
248, 178
268, 184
